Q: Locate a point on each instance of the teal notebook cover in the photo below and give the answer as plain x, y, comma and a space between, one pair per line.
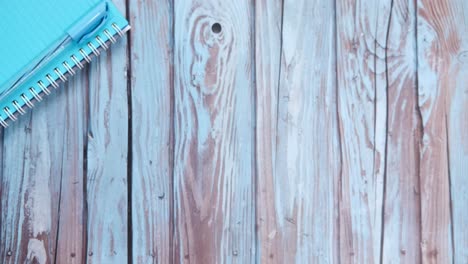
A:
44, 42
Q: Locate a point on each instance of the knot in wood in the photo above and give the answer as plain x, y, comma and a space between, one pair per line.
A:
463, 57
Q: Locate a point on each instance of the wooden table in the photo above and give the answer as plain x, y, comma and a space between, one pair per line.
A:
303, 131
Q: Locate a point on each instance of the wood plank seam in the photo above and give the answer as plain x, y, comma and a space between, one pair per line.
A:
382, 234
340, 138
129, 141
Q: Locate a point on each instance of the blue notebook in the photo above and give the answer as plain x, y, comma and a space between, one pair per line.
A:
46, 41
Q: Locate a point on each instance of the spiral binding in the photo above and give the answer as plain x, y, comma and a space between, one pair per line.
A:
62, 76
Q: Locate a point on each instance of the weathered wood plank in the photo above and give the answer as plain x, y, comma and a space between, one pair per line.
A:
152, 130
442, 43
106, 182
362, 30
214, 132
297, 133
67, 116
29, 191
458, 154
402, 236
268, 25
435, 49
15, 232
457, 133
457, 126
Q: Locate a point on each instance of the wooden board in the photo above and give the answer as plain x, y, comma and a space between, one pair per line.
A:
401, 226
457, 130
214, 132
362, 31
268, 37
69, 117
152, 130
106, 182
442, 96
296, 121
27, 229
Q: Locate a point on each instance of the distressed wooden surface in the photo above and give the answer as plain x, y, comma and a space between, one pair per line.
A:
268, 40
152, 131
442, 45
402, 213
361, 38
457, 128
70, 117
106, 175
303, 203
296, 132
214, 173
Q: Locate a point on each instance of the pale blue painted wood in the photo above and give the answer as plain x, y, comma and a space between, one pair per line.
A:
458, 151
286, 173
214, 166
268, 26
107, 160
439, 42
14, 238
308, 151
362, 31
152, 130
31, 203
457, 131
67, 116
458, 162
402, 213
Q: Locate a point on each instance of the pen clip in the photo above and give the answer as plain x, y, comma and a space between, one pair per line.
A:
90, 23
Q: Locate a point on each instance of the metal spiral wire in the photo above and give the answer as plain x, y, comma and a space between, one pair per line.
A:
61, 76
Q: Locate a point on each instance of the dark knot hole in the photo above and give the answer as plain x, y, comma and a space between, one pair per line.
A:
216, 28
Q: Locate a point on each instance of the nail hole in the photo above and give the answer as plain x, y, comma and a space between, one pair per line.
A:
216, 28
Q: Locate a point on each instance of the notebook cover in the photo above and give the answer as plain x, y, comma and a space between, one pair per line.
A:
43, 26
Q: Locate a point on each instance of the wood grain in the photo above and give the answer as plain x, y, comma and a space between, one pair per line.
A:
106, 181
442, 76
17, 228
457, 132
67, 115
303, 131
401, 235
214, 132
152, 130
29, 191
362, 31
268, 27
297, 143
